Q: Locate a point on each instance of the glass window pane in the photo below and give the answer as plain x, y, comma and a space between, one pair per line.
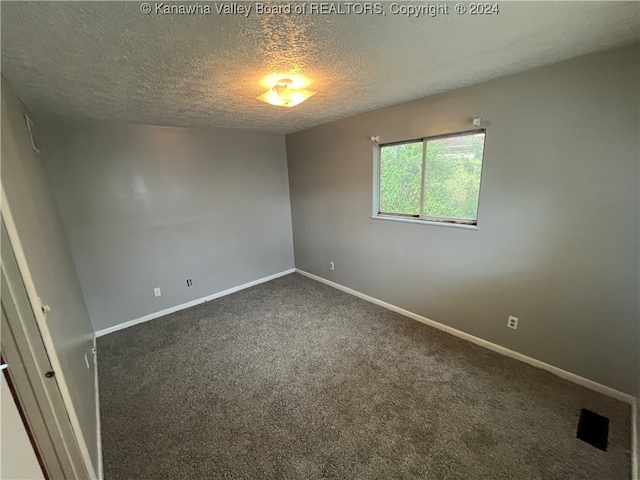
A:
452, 176
400, 178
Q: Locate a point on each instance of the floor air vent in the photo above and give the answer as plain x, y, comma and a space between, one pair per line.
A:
593, 429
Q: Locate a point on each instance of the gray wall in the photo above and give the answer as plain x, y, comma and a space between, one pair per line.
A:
149, 207
45, 246
557, 243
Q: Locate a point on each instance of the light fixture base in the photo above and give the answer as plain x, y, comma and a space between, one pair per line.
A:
282, 94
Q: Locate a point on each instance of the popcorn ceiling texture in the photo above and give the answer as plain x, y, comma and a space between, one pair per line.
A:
108, 61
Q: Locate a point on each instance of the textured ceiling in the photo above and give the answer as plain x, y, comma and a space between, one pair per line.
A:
108, 61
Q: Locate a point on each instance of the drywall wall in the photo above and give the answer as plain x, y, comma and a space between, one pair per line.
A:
557, 241
147, 207
18, 460
44, 243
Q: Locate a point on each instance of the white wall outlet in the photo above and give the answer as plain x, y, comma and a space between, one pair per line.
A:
86, 360
189, 282
157, 292
332, 265
512, 323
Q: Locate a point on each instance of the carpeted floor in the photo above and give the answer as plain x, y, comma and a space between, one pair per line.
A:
293, 379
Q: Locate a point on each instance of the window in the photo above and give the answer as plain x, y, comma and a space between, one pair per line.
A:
430, 179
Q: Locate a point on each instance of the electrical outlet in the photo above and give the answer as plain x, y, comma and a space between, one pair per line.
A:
86, 360
157, 292
512, 323
189, 282
332, 265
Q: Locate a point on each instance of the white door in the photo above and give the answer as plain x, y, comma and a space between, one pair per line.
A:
31, 378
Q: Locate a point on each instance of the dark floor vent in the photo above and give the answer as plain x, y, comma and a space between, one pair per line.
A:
593, 429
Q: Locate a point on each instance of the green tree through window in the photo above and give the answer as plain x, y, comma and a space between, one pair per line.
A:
449, 185
400, 175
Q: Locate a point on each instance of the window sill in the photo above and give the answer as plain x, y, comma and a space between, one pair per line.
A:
424, 222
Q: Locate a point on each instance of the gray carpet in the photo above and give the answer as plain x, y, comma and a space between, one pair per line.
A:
293, 379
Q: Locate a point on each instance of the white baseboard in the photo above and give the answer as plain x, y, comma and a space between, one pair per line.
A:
192, 303
572, 377
100, 472
634, 439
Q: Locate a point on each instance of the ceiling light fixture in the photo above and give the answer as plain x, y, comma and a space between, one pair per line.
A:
284, 95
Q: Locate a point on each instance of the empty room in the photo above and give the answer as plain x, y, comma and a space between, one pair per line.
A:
320, 240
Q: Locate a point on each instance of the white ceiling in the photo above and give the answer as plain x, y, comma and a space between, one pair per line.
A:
108, 61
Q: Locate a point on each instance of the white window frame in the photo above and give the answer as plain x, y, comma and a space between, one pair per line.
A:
421, 218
